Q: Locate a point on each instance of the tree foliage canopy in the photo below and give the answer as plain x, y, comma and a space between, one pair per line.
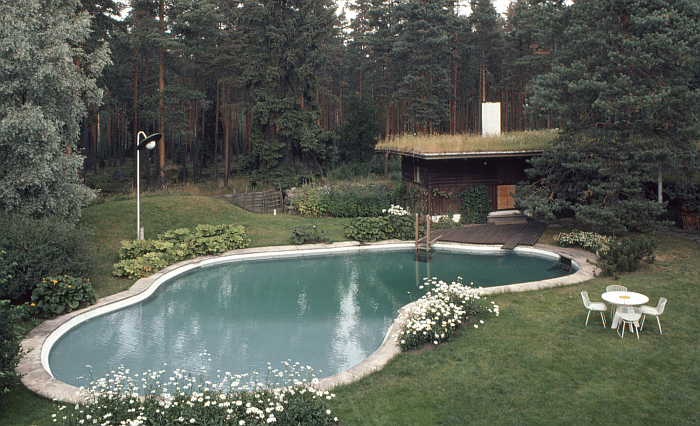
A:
624, 88
46, 80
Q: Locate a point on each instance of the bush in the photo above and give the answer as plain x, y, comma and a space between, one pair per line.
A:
614, 257
589, 241
40, 248
10, 339
627, 255
435, 317
61, 295
141, 258
396, 224
342, 201
309, 234
476, 204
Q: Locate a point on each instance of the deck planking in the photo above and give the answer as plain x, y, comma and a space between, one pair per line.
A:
510, 235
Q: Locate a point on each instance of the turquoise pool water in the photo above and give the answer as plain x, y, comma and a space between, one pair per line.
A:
328, 312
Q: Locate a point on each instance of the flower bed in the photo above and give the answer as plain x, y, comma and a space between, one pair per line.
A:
435, 317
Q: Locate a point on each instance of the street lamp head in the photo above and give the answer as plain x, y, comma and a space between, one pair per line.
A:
149, 142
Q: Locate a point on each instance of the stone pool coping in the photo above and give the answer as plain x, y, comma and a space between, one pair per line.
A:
37, 379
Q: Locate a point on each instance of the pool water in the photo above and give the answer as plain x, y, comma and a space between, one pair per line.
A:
328, 312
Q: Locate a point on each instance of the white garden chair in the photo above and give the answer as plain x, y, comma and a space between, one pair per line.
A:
595, 306
658, 310
629, 315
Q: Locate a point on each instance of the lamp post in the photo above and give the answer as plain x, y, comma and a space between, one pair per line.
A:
148, 143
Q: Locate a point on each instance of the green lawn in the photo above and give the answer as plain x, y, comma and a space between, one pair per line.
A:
535, 364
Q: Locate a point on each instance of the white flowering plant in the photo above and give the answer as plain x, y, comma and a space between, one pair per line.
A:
160, 398
589, 241
435, 317
396, 210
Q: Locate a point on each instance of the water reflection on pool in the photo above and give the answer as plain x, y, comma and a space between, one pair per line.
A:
328, 312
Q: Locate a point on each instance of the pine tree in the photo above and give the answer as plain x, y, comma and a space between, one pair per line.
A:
624, 88
284, 45
43, 97
422, 46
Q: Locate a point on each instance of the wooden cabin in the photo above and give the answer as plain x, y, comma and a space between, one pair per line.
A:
452, 173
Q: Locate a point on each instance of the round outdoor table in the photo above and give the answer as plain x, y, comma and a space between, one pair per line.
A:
623, 298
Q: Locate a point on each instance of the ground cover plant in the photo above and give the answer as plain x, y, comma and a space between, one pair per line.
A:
536, 364
282, 397
141, 258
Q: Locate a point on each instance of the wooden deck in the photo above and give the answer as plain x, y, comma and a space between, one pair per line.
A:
509, 236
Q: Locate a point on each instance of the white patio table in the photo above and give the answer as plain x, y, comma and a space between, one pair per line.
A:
626, 298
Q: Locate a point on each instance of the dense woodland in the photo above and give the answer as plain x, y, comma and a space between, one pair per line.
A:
280, 91
283, 85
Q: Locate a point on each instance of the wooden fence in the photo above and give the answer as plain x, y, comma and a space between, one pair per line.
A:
258, 202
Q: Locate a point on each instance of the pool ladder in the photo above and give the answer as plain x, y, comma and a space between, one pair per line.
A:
423, 248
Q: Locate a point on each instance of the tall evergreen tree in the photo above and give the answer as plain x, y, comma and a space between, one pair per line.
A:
422, 46
284, 44
43, 97
624, 86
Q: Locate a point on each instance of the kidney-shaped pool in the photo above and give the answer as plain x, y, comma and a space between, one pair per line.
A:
327, 311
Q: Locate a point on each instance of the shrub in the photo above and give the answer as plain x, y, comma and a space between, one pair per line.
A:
309, 234
40, 248
340, 201
614, 257
435, 317
10, 339
395, 224
589, 241
141, 258
627, 255
61, 295
119, 399
476, 204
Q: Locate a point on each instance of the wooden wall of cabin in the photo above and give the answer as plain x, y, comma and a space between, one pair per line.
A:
450, 177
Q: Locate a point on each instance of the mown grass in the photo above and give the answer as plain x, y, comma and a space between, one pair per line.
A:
535, 364
435, 144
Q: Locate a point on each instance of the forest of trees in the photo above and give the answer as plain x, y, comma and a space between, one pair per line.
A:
266, 86
275, 89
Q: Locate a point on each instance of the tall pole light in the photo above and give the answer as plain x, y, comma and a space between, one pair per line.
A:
148, 143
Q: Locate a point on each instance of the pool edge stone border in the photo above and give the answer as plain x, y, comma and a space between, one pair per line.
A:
38, 380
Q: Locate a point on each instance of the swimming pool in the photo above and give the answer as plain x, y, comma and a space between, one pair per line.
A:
34, 365
326, 309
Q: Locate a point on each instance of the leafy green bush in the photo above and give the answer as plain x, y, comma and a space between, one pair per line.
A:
627, 255
341, 201
614, 256
40, 248
141, 258
118, 399
390, 226
476, 204
61, 295
309, 234
435, 317
10, 339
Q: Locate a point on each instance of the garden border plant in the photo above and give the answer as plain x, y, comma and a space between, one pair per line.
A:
283, 398
141, 258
